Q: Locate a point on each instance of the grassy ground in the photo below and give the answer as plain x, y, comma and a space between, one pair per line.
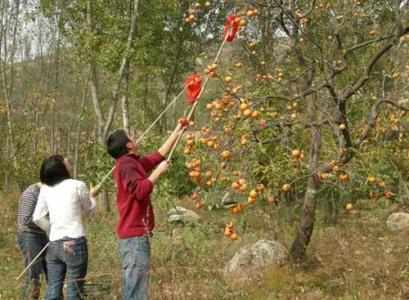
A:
354, 258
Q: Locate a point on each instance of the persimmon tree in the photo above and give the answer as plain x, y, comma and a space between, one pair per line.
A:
305, 96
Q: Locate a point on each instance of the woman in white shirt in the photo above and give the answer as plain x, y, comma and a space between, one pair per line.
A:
59, 210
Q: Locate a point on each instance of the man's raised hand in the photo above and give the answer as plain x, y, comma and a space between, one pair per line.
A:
163, 167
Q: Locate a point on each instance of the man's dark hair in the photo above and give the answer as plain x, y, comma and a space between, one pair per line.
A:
116, 144
53, 170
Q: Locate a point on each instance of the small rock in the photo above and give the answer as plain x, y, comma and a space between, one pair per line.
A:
398, 221
182, 215
252, 260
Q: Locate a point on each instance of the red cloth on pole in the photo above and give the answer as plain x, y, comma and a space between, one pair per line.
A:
230, 28
193, 85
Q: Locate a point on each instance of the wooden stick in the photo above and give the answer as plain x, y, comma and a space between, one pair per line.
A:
196, 102
143, 134
105, 177
162, 113
189, 116
33, 261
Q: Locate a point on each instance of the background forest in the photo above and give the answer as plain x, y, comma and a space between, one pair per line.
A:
301, 136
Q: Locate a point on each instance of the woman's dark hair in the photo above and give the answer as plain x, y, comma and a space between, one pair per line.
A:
53, 170
116, 144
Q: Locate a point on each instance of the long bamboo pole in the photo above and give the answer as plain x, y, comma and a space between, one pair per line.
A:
33, 261
216, 60
219, 52
144, 133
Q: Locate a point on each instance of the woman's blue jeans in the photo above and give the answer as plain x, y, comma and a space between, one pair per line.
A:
67, 257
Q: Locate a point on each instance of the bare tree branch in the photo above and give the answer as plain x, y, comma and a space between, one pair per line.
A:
105, 125
121, 73
366, 43
370, 124
366, 74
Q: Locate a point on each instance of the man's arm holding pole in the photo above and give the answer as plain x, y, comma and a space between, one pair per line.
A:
164, 150
167, 146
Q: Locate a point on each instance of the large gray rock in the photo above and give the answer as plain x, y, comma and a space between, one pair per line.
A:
252, 260
180, 214
398, 221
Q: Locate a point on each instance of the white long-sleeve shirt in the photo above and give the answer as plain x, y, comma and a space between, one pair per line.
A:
64, 203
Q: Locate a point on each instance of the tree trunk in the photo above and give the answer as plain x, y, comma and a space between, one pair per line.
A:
78, 129
104, 124
57, 95
125, 103
52, 142
171, 80
125, 113
8, 82
35, 144
305, 230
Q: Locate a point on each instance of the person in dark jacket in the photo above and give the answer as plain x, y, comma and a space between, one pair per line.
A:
31, 239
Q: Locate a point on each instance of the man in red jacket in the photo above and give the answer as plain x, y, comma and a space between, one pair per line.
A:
136, 217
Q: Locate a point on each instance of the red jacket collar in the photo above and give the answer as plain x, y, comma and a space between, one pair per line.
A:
131, 155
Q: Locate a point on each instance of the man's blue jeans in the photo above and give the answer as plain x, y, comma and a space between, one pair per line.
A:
136, 260
67, 257
30, 245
